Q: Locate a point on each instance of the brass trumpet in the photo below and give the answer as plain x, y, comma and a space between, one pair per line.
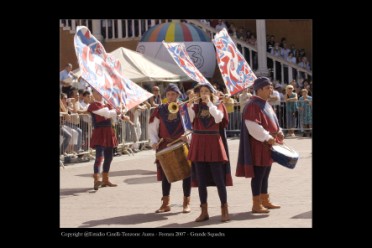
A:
174, 107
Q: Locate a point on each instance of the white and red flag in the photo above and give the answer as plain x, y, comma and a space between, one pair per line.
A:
236, 72
104, 73
181, 57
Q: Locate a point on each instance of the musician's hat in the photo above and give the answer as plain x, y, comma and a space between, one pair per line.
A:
173, 87
261, 82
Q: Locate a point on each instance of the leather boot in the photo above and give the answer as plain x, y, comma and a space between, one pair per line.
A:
224, 213
105, 180
186, 205
204, 213
97, 182
164, 206
267, 203
257, 205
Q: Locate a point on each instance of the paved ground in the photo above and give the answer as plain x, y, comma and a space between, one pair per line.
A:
133, 202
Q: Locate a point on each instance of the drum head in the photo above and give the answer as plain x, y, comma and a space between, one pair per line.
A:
285, 151
171, 148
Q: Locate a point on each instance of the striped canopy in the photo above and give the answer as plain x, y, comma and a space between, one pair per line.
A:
175, 32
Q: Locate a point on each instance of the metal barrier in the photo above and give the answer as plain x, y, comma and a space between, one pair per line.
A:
299, 120
76, 130
75, 133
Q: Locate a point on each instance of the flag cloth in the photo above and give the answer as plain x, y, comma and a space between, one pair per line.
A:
181, 57
235, 71
104, 73
186, 123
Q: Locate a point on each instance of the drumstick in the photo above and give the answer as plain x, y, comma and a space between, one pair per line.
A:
157, 144
175, 141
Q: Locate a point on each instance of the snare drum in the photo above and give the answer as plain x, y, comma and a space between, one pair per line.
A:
284, 155
174, 162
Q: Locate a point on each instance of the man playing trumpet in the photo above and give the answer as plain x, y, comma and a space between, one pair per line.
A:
167, 126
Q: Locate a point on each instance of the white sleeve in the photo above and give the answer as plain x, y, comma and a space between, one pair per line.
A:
153, 130
217, 114
191, 113
257, 131
105, 112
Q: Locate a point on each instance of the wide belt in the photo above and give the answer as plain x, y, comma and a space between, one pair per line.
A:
102, 124
205, 132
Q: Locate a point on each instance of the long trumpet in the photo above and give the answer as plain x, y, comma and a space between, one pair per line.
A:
174, 107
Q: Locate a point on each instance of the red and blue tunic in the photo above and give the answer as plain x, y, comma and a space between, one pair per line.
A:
170, 129
206, 143
103, 133
251, 151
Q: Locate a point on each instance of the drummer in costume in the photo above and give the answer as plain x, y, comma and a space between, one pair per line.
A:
259, 131
207, 150
103, 138
168, 126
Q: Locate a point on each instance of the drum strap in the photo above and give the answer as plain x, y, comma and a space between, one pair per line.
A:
205, 132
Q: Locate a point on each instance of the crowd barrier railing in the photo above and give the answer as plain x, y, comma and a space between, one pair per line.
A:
76, 132
294, 120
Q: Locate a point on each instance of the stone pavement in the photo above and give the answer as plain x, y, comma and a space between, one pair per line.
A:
132, 204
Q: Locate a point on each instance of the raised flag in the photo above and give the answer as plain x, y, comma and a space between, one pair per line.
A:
181, 57
104, 73
235, 71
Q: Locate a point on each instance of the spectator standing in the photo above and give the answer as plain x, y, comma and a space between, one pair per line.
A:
291, 108
305, 104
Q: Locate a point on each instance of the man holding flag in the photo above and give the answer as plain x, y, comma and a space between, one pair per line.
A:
103, 138
168, 127
105, 75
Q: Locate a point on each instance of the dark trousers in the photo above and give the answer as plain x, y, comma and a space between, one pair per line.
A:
218, 174
260, 181
105, 154
166, 186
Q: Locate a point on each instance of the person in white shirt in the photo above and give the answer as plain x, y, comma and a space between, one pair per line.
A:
63, 76
244, 98
136, 131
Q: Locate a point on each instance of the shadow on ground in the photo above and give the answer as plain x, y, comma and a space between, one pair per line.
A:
124, 173
213, 220
75, 191
141, 180
306, 215
128, 219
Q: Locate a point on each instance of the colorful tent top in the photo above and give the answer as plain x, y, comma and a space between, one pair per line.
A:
104, 72
175, 32
235, 71
181, 57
